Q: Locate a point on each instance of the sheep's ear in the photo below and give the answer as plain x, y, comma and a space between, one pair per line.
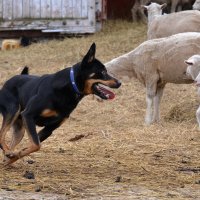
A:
188, 62
164, 5
144, 7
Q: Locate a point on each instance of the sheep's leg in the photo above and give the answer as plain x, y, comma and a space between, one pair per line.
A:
174, 6
198, 116
149, 111
156, 101
151, 89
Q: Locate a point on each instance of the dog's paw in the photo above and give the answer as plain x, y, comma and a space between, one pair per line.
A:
7, 161
10, 155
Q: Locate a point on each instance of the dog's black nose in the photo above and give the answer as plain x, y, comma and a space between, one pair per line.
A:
118, 84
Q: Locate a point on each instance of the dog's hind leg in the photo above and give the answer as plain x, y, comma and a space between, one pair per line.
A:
18, 133
4, 128
9, 108
30, 126
8, 120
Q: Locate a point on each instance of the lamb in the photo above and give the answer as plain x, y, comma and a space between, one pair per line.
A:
158, 24
155, 63
193, 69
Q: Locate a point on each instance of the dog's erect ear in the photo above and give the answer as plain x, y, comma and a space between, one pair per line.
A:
90, 56
25, 70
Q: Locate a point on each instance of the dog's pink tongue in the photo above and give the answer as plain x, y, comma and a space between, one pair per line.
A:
110, 95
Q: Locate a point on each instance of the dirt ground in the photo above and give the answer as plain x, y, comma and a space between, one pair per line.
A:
104, 150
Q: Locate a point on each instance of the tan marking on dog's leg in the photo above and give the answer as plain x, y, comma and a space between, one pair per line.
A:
24, 152
49, 113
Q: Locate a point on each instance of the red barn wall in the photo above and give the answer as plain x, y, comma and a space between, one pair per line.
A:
119, 9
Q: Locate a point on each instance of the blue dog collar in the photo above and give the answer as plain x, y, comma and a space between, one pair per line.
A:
73, 81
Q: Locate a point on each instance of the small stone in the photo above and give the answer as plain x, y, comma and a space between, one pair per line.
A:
197, 182
29, 175
61, 150
38, 188
118, 179
30, 161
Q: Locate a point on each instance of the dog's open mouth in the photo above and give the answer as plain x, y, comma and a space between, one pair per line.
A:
102, 91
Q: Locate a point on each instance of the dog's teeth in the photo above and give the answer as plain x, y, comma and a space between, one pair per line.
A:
107, 95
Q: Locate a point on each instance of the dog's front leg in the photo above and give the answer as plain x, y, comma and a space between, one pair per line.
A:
47, 131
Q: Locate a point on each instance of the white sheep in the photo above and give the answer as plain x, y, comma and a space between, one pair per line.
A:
165, 25
193, 69
155, 63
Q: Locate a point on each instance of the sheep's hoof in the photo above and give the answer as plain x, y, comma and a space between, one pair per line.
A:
148, 122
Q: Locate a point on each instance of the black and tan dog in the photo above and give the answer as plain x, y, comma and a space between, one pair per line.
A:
48, 100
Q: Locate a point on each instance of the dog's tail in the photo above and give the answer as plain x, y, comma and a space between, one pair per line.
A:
25, 71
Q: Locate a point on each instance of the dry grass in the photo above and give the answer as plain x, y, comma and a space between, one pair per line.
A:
118, 157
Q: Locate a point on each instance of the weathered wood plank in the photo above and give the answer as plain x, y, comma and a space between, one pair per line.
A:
45, 8
1, 8
56, 9
48, 15
7, 9
91, 13
76, 9
26, 9
35, 9
17, 9
67, 9
84, 9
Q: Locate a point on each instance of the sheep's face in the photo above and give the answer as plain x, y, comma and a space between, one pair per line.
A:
193, 66
154, 9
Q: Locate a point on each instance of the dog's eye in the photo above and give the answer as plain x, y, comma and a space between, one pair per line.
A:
104, 73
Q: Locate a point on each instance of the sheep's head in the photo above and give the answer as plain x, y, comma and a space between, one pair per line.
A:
153, 10
193, 66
